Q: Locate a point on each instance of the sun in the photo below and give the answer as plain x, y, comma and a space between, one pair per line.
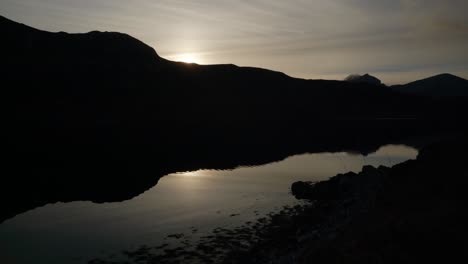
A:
186, 57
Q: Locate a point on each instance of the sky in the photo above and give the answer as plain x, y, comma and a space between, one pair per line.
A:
398, 41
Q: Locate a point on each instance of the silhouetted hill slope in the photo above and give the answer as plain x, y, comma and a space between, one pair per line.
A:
439, 85
100, 116
366, 78
22, 44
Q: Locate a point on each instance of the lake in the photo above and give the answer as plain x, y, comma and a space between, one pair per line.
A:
189, 203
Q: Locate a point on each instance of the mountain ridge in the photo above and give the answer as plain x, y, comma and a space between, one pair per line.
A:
149, 53
81, 47
444, 84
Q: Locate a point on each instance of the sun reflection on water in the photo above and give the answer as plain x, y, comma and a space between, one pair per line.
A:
197, 173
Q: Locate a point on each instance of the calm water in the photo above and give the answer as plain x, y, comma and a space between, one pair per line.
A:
192, 203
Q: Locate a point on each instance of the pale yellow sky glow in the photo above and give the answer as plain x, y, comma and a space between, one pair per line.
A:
396, 40
186, 57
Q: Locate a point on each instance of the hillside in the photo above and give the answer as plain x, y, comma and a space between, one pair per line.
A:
439, 85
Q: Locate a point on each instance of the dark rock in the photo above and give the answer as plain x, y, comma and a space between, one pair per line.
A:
366, 78
301, 190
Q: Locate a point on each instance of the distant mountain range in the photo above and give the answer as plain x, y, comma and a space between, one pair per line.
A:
439, 85
101, 116
435, 86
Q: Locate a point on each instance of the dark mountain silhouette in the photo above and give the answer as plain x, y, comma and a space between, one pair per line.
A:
100, 116
439, 85
366, 78
49, 49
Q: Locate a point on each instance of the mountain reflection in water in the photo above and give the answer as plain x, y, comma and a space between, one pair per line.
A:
180, 203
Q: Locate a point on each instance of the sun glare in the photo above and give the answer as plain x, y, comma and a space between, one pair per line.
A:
187, 58
197, 173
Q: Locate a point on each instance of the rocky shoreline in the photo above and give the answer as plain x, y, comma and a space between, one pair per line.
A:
412, 212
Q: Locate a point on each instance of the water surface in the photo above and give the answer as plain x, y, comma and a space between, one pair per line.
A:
191, 203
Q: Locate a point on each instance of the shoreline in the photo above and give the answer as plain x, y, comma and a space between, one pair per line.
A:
381, 214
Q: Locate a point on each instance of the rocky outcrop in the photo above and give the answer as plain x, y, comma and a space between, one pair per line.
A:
409, 213
366, 78
342, 185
